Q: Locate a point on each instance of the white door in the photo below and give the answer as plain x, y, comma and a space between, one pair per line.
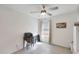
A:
76, 39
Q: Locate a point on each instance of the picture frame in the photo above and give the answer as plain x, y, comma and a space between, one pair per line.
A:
61, 25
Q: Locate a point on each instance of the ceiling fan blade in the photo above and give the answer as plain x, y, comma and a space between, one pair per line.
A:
49, 14
54, 8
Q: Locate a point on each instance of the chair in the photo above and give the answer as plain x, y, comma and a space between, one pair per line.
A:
28, 37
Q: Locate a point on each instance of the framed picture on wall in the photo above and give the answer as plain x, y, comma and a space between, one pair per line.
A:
61, 25
76, 23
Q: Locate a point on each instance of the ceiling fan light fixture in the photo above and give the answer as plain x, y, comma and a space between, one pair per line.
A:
43, 13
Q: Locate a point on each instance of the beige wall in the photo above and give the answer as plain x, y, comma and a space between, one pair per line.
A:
12, 27
64, 36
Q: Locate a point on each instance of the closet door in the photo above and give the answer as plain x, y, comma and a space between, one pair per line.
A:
76, 39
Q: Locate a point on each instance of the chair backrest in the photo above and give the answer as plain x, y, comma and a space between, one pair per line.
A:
28, 37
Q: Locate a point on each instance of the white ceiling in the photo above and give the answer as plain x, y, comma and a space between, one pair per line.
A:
27, 8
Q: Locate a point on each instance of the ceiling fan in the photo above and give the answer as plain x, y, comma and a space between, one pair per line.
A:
43, 11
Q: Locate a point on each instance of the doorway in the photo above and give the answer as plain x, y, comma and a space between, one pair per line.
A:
44, 30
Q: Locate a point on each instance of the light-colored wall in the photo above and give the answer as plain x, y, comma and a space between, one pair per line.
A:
12, 27
64, 36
